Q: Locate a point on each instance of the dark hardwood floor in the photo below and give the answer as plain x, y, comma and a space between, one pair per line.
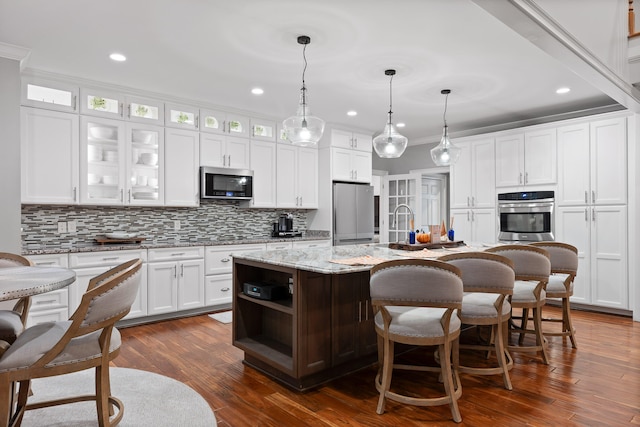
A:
596, 385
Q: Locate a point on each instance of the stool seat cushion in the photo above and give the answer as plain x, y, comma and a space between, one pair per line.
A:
523, 292
34, 342
555, 287
10, 325
421, 322
480, 305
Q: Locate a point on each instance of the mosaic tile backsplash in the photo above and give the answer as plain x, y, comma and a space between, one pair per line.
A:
212, 220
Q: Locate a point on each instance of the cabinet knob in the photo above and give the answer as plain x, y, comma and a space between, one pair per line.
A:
225, 260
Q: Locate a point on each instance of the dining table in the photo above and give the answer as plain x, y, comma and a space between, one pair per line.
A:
26, 281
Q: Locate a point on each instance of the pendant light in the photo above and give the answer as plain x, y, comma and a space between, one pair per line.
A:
445, 153
303, 128
389, 144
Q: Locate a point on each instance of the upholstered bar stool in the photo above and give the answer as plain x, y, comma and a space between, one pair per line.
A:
564, 268
415, 302
488, 281
13, 322
532, 269
88, 339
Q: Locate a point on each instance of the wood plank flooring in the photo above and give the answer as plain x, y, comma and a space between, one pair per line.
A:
596, 385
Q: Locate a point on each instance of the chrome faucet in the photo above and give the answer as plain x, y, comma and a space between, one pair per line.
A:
395, 215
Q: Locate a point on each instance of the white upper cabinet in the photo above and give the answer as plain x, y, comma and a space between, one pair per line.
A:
351, 165
49, 156
263, 165
592, 160
263, 129
224, 151
144, 110
102, 164
473, 175
351, 140
49, 95
181, 116
144, 156
225, 123
297, 177
181, 167
526, 158
101, 103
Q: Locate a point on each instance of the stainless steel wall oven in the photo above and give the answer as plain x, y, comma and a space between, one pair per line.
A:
526, 216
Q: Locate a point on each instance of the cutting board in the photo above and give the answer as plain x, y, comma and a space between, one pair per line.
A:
421, 246
103, 240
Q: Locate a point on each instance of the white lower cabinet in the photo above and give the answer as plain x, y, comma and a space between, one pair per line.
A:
218, 268
51, 306
600, 234
176, 279
475, 225
88, 265
305, 244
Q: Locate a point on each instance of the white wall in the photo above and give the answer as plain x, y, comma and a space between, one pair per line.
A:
10, 158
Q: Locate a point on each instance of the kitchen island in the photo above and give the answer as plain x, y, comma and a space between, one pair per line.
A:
322, 328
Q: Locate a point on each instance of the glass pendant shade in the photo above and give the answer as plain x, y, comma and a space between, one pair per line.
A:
445, 153
389, 144
303, 128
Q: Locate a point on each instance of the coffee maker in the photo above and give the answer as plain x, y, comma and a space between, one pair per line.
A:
284, 227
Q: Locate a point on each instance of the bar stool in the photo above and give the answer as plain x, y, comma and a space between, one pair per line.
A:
564, 268
414, 302
13, 322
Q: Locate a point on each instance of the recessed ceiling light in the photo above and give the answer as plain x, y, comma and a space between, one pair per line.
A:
400, 125
562, 90
118, 57
257, 91
352, 113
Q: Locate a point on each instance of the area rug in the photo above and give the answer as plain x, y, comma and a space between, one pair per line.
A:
149, 400
223, 316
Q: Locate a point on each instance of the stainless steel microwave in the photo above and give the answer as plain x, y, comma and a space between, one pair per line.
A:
226, 183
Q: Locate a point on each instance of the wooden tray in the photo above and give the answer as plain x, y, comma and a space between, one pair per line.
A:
421, 246
103, 240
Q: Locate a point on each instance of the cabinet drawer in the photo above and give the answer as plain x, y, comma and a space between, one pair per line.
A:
108, 258
217, 289
311, 244
176, 254
218, 259
278, 246
54, 315
49, 300
50, 260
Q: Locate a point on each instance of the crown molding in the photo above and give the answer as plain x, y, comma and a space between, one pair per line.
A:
14, 52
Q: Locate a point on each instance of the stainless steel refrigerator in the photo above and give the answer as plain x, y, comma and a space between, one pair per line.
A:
352, 213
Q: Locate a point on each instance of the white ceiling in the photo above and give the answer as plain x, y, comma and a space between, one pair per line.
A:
215, 51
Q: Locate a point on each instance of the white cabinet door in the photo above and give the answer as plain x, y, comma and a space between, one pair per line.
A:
483, 177
286, 195
219, 259
540, 157
573, 226
181, 116
218, 289
181, 167
213, 121
49, 156
483, 226
49, 95
143, 110
307, 177
609, 256
341, 139
102, 161
212, 150
263, 129
162, 291
362, 142
609, 161
510, 160
190, 284
98, 102
144, 165
461, 177
238, 152
263, 165
306, 244
362, 166
573, 165
462, 225
139, 306
341, 169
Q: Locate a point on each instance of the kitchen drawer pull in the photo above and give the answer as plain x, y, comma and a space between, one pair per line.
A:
197, 121
46, 263
121, 109
586, 214
473, 200
110, 258
225, 289
49, 301
225, 260
593, 215
181, 270
593, 196
586, 196
175, 271
129, 110
468, 202
178, 254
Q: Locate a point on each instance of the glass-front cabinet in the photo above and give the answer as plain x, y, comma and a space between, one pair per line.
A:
49, 95
101, 103
181, 116
120, 164
101, 161
144, 153
146, 111
225, 123
263, 129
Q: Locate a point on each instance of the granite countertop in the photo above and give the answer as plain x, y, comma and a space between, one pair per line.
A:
154, 244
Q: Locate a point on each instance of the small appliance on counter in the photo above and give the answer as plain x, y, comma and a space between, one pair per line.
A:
284, 227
